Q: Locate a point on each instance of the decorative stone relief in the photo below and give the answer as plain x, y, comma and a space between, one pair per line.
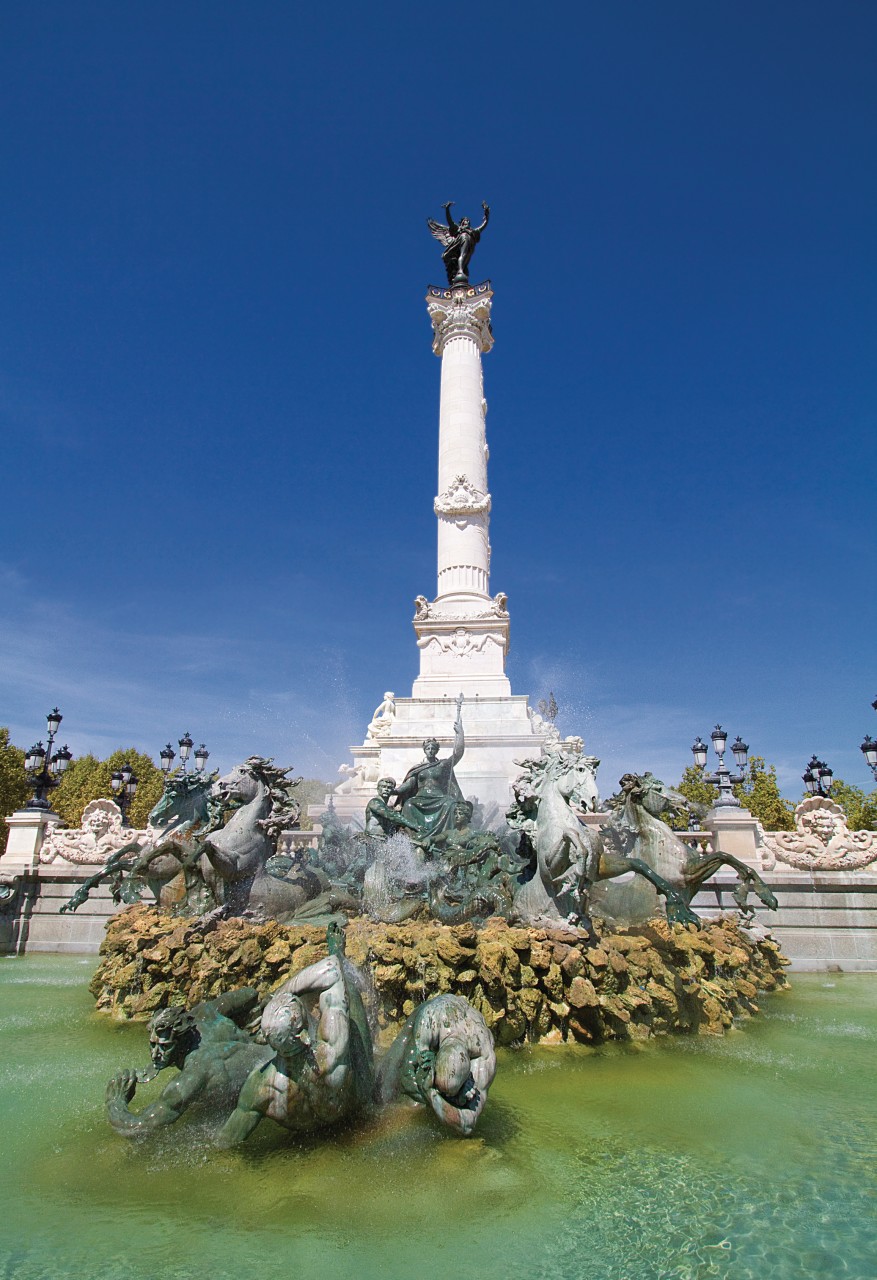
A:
822, 840
462, 499
381, 723
424, 609
100, 835
462, 643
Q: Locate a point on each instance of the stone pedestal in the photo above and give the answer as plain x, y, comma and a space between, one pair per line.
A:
28, 829
498, 732
734, 831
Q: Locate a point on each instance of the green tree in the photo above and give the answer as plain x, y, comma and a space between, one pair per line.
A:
696, 789
88, 778
860, 809
760, 793
14, 787
311, 791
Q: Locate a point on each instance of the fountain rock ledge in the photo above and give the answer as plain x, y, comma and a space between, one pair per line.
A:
545, 985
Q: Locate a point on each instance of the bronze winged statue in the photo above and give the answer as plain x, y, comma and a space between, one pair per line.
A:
459, 240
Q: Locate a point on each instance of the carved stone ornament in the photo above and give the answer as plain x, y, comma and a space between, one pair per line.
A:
425, 610
462, 643
382, 721
462, 498
100, 835
460, 313
822, 840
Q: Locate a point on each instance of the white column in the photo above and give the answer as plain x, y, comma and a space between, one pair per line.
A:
461, 321
463, 635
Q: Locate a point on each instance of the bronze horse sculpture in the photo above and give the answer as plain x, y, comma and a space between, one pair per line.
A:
571, 857
637, 824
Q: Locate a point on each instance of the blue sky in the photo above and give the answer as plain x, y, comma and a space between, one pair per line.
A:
219, 404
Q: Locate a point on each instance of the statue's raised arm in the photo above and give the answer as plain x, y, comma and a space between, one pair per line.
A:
459, 739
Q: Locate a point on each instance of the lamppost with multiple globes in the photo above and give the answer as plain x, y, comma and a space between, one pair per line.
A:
168, 755
817, 777
722, 778
124, 784
44, 769
869, 748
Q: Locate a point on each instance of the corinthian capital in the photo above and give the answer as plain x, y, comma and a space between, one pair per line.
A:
461, 313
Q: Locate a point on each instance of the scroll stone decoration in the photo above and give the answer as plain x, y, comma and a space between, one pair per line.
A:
822, 840
100, 836
462, 499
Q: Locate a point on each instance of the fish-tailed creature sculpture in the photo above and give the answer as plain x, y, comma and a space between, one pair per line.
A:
570, 857
187, 810
322, 1071
214, 1057
637, 828
443, 1057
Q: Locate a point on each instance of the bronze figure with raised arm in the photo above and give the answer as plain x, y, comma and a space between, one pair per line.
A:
459, 240
430, 791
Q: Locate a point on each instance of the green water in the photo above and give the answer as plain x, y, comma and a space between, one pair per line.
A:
747, 1156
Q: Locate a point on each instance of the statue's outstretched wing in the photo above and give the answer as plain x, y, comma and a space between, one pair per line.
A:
442, 233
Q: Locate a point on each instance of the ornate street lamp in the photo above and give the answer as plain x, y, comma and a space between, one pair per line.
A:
168, 755
869, 748
817, 777
124, 784
44, 769
723, 778
869, 751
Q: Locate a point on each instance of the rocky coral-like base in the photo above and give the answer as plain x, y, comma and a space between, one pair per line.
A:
534, 984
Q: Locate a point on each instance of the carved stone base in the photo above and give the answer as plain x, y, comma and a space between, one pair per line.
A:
499, 731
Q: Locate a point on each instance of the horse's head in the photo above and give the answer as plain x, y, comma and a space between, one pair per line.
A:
260, 780
184, 796
651, 794
575, 776
238, 787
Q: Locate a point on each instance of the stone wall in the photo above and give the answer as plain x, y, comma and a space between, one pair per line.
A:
530, 984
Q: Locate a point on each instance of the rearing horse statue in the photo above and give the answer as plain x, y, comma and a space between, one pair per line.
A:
637, 825
185, 811
260, 794
570, 856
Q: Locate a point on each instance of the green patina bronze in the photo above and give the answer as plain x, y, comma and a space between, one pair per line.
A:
429, 792
636, 827
187, 811
212, 1052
